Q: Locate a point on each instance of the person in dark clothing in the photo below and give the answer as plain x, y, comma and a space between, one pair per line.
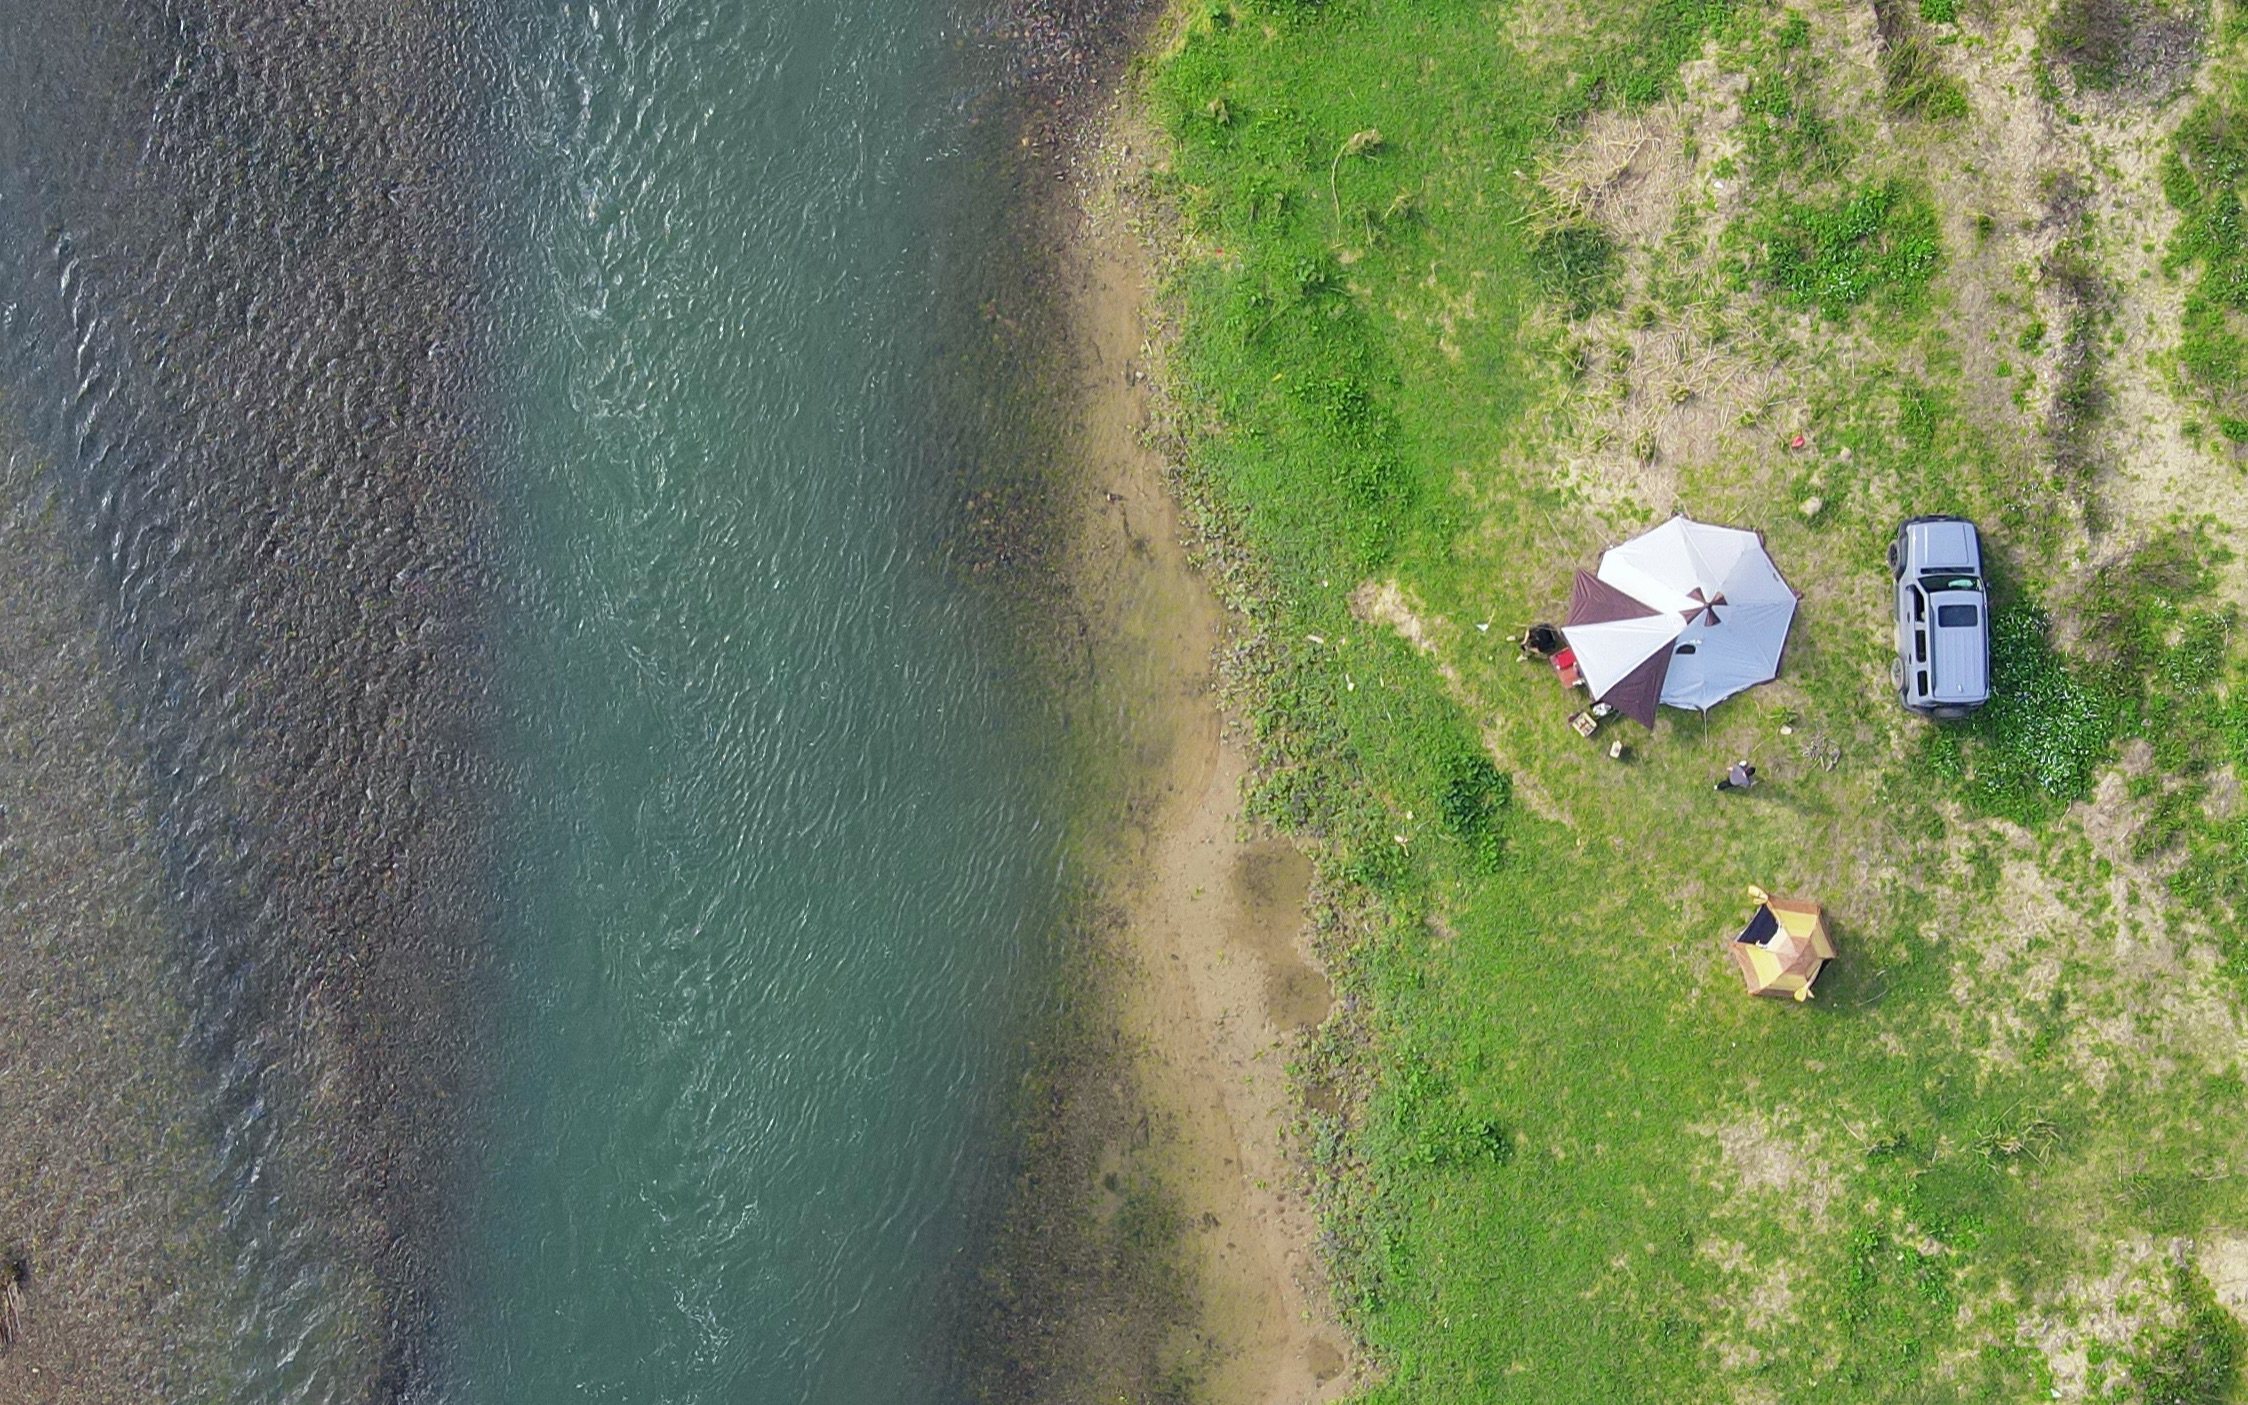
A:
1740, 777
1541, 639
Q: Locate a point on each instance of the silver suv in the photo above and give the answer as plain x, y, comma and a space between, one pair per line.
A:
1943, 617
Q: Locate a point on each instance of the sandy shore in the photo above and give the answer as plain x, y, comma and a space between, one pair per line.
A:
1221, 986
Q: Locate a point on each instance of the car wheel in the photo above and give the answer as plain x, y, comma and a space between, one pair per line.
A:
1897, 676
1896, 561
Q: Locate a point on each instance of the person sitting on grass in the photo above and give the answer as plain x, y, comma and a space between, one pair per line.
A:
1740, 777
1540, 641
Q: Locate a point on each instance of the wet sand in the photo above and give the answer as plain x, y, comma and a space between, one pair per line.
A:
1156, 1242
1221, 987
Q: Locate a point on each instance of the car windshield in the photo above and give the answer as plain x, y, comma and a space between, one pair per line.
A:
1936, 582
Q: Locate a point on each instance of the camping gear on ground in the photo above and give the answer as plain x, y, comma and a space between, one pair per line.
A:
1565, 668
1783, 947
1686, 615
1584, 723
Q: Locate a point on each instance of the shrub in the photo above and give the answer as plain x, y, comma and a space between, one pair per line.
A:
1911, 74
1575, 264
2197, 1362
1880, 241
1788, 137
2032, 751
1474, 801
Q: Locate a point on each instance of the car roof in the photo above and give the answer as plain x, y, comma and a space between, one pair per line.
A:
1959, 657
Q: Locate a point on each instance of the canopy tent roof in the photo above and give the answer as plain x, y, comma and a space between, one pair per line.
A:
1687, 614
1783, 947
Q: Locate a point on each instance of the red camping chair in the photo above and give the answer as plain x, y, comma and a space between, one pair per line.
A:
1565, 668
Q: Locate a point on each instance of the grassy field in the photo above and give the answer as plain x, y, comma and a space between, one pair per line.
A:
1461, 294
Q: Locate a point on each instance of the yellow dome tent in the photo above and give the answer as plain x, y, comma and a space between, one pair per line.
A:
1783, 947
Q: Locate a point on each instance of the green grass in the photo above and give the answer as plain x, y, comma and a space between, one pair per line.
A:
2203, 177
1575, 265
1914, 81
1582, 1164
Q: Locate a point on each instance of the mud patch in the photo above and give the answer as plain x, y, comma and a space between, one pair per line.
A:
2223, 1260
1626, 171
2123, 51
1385, 603
1270, 884
1660, 381
1767, 1159
2084, 1329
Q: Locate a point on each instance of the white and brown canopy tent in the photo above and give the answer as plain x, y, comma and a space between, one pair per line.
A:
1686, 615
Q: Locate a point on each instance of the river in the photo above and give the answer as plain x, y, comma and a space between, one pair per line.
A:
510, 462
782, 839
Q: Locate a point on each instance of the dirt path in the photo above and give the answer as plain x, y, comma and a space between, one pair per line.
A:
1215, 917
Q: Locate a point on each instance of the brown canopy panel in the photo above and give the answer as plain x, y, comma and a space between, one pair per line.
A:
1594, 601
1637, 693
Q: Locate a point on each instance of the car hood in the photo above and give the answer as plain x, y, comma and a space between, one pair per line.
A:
1947, 546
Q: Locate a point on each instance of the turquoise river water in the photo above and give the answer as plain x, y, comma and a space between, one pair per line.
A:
781, 844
